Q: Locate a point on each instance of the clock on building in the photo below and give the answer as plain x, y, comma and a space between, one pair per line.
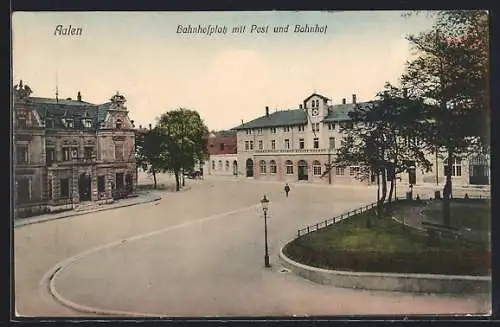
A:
315, 112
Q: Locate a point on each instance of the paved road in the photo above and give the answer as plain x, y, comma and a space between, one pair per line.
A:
199, 253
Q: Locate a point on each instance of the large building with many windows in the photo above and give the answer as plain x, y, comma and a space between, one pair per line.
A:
301, 143
70, 153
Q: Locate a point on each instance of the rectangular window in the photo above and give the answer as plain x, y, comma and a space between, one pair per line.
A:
87, 123
66, 154
88, 152
315, 127
339, 171
251, 145
332, 142
317, 170
118, 151
289, 169
101, 184
273, 144
287, 144
259, 131
316, 143
221, 146
353, 171
50, 156
23, 190
331, 126
69, 123
301, 143
273, 130
301, 128
261, 146
247, 131
21, 123
22, 154
64, 188
286, 129
74, 153
247, 145
49, 123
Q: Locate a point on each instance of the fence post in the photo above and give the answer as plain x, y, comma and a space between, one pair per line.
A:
308, 229
298, 232
317, 226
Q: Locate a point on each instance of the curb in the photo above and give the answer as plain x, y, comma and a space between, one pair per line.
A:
50, 276
81, 213
391, 282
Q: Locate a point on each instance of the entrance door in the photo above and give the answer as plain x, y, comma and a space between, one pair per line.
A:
129, 182
119, 181
249, 168
302, 171
84, 187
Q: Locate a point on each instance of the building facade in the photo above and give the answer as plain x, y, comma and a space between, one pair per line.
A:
70, 153
222, 150
301, 144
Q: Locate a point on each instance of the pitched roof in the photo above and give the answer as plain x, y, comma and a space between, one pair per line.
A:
340, 112
69, 109
316, 94
225, 133
278, 118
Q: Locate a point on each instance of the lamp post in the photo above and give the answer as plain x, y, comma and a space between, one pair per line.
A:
265, 207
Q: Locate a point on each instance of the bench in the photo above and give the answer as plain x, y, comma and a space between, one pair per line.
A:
440, 229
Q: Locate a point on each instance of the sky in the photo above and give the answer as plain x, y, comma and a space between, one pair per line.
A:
228, 77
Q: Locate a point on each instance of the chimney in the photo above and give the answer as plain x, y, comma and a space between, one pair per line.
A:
343, 101
149, 126
267, 111
354, 98
300, 106
79, 96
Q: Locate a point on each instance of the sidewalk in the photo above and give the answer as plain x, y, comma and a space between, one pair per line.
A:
145, 197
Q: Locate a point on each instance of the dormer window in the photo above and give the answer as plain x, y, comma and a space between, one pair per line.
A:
313, 103
69, 123
87, 123
118, 123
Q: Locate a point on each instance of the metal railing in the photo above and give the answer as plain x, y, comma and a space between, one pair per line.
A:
328, 222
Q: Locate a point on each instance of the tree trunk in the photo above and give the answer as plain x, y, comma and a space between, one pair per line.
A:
378, 193
183, 178
153, 171
447, 191
177, 182
391, 191
384, 185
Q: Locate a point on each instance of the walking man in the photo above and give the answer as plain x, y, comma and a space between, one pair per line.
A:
287, 189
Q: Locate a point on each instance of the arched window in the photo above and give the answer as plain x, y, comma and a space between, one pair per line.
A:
220, 165
316, 167
262, 165
227, 165
272, 166
289, 167
314, 104
118, 123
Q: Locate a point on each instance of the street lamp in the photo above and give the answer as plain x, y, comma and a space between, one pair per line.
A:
265, 207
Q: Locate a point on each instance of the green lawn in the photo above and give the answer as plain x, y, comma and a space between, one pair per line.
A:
476, 216
387, 246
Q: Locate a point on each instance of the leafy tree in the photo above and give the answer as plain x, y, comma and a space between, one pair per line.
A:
185, 140
150, 152
450, 75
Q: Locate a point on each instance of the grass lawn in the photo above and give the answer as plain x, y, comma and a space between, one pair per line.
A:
474, 215
387, 246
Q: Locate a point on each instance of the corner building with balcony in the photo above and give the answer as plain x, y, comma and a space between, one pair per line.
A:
301, 144
70, 153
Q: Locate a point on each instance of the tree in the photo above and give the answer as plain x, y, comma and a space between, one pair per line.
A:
185, 140
150, 152
383, 138
450, 75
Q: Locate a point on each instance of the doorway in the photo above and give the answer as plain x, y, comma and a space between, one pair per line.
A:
84, 187
249, 168
302, 171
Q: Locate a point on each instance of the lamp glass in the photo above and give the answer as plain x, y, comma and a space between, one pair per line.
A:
265, 203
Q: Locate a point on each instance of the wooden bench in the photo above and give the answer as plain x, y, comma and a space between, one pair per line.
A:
440, 229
